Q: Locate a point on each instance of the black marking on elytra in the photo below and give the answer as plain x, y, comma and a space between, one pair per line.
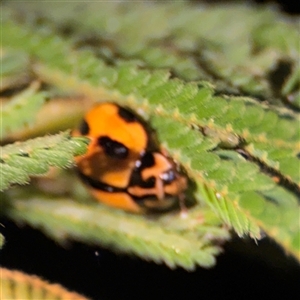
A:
137, 180
149, 183
130, 116
113, 148
153, 197
98, 185
127, 115
147, 161
142, 198
84, 127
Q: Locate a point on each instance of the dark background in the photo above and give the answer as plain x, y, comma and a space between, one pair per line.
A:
244, 271
290, 7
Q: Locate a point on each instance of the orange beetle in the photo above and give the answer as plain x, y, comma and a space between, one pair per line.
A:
123, 166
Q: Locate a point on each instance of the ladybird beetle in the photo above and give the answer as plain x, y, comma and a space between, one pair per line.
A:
123, 166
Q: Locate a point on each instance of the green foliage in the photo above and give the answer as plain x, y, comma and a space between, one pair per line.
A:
21, 109
241, 153
176, 241
15, 69
194, 43
34, 157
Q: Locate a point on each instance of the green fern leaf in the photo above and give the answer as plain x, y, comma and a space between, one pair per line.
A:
34, 157
242, 154
171, 239
193, 42
21, 109
15, 69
